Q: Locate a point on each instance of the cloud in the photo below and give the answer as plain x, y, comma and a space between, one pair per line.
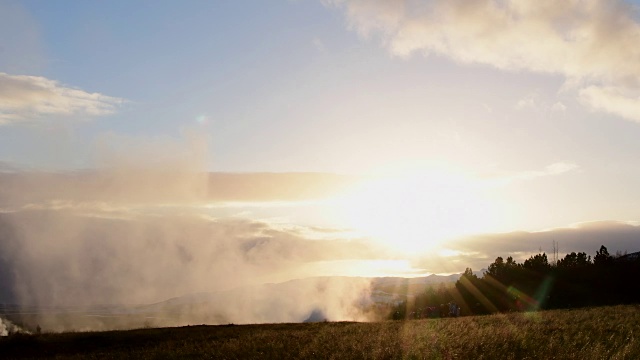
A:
559, 107
138, 230
611, 99
63, 258
131, 170
179, 184
528, 102
146, 226
36, 99
618, 236
479, 251
592, 43
49, 221
549, 170
554, 169
533, 102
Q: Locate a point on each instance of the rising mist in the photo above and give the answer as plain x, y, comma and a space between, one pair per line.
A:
135, 232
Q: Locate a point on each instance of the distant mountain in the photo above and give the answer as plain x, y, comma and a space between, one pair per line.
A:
630, 257
382, 290
309, 299
423, 280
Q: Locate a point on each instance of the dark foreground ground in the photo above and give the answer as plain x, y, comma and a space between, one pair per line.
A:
594, 333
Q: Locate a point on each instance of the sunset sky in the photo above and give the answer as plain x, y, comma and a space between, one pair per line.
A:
381, 137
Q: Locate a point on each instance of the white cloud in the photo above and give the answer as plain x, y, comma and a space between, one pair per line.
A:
534, 102
550, 170
591, 43
559, 107
34, 98
612, 99
528, 102
559, 168
554, 169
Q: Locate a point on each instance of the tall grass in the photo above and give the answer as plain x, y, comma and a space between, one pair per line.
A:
592, 333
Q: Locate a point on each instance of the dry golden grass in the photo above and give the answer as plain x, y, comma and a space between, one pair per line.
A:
593, 333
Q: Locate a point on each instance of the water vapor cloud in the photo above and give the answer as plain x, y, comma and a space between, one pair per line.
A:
592, 44
36, 99
145, 227
502, 178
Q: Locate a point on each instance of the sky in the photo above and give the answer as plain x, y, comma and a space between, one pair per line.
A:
288, 139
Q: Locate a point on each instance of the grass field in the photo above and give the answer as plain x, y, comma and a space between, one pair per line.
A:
593, 333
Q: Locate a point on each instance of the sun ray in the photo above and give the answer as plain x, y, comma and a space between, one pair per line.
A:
416, 213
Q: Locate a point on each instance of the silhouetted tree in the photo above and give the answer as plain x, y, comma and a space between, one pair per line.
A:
573, 260
602, 257
503, 271
537, 263
573, 281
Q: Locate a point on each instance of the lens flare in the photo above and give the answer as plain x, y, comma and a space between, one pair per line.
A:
416, 213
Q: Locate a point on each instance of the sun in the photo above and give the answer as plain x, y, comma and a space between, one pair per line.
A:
417, 212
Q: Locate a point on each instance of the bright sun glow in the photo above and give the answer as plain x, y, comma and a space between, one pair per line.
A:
418, 212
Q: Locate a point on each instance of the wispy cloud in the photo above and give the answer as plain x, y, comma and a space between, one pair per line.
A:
612, 99
534, 102
99, 235
91, 259
36, 99
559, 107
592, 43
553, 169
558, 168
528, 102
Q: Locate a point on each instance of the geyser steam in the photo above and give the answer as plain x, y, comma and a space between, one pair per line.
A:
136, 232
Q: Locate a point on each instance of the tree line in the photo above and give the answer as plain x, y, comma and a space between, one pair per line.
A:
577, 280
